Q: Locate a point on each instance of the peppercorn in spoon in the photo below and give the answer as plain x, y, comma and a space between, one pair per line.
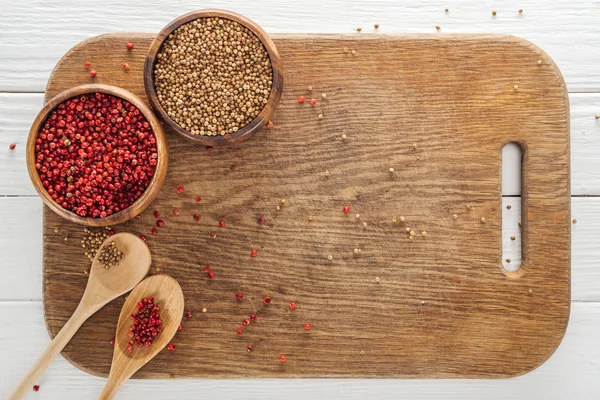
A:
106, 282
149, 319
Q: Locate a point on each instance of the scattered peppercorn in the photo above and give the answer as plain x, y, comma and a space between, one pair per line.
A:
267, 300
301, 99
292, 305
240, 330
437, 27
307, 327
239, 296
160, 223
222, 223
282, 358
180, 190
196, 217
253, 317
313, 101
358, 29
146, 323
494, 12
376, 26
36, 388
213, 76
261, 220
346, 209
270, 125
112, 341
95, 154
171, 347
12, 146
143, 237
125, 65
253, 253
87, 64
129, 46
93, 73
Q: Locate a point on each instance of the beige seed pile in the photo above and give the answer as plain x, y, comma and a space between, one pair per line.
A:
213, 76
92, 240
110, 255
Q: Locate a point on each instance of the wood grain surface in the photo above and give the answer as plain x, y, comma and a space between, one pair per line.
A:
443, 306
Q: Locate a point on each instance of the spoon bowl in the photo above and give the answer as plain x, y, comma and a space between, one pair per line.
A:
169, 297
103, 286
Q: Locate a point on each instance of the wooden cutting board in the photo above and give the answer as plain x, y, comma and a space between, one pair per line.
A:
435, 108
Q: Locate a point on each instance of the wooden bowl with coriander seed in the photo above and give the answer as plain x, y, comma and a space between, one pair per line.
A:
214, 77
97, 177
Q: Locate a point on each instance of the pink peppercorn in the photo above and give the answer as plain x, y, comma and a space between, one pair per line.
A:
267, 300
180, 190
171, 347
12, 146
282, 358
301, 99
198, 198
160, 223
36, 388
222, 223
207, 268
313, 101
129, 46
253, 317
307, 327
292, 305
93, 73
143, 237
156, 214
239, 296
261, 220
196, 217
245, 322
240, 330
211, 275
253, 253
346, 209
175, 212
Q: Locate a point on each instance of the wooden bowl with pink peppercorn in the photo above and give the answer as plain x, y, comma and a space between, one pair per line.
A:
97, 155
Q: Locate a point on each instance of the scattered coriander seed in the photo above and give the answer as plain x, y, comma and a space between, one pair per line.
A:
391, 169
394, 220
357, 216
362, 353
56, 230
437, 28
513, 238
494, 12
482, 220
344, 136
402, 219
411, 237
597, 116
204, 310
324, 96
446, 10
540, 62
520, 11
508, 260
364, 224
414, 146
412, 233
516, 87
454, 216
310, 217
376, 26
353, 52
330, 257
110, 255
320, 116
377, 279
423, 233
518, 223
282, 202
310, 87
407, 229
213, 76
355, 251
422, 302
508, 207
327, 173
278, 208
358, 29
574, 220
66, 238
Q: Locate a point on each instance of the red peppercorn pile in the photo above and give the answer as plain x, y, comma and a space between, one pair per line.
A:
146, 324
96, 154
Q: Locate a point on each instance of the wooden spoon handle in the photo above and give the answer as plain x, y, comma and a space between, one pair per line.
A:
112, 386
81, 314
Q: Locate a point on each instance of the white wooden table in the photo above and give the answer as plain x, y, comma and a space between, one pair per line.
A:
35, 34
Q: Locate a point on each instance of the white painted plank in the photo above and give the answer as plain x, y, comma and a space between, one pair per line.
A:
17, 112
571, 373
20, 245
21, 248
585, 144
35, 34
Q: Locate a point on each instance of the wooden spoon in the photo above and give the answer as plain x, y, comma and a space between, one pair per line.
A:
169, 297
103, 286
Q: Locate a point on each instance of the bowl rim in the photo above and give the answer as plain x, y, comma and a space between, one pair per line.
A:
160, 171
253, 126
